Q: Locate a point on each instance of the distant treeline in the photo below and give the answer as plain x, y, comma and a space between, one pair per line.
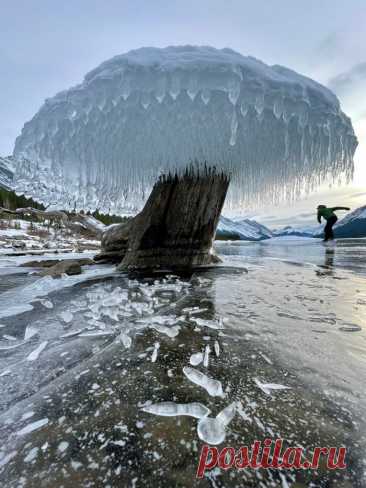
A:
108, 219
10, 200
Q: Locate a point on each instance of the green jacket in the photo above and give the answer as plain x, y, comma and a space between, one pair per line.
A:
328, 212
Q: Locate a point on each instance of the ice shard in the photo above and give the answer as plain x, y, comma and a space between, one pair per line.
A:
103, 143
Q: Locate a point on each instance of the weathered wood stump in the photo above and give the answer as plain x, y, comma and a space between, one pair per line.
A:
176, 227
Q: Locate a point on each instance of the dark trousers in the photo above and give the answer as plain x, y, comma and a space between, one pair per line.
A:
328, 229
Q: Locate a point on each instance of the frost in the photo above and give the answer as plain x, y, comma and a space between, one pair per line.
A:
217, 349
212, 386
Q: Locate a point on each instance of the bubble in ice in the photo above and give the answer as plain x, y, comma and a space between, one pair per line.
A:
38, 424
213, 430
154, 355
196, 359
30, 331
172, 409
66, 316
267, 387
35, 354
212, 386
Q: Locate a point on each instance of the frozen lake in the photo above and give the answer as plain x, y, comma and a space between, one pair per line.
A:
86, 363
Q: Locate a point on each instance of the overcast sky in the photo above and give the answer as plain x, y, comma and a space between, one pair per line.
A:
47, 46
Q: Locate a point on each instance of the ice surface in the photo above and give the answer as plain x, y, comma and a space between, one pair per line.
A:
275, 131
267, 387
212, 386
11, 305
13, 346
172, 409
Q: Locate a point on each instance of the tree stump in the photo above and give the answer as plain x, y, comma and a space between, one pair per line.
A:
176, 227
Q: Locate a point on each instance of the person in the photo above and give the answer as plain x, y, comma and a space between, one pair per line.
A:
328, 214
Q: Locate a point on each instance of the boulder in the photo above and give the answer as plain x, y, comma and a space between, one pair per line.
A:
69, 267
48, 263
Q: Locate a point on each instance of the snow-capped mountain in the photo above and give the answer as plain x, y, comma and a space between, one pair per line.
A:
305, 231
102, 143
244, 230
7, 169
352, 225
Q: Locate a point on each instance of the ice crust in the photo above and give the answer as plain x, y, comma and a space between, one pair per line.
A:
101, 144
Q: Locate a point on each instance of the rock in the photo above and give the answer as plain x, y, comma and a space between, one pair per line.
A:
114, 242
48, 263
70, 267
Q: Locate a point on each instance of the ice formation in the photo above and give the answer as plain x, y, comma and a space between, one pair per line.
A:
101, 144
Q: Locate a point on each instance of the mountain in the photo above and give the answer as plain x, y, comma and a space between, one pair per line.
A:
244, 230
7, 169
305, 231
353, 225
101, 144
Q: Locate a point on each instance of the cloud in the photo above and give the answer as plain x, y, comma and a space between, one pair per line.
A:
347, 81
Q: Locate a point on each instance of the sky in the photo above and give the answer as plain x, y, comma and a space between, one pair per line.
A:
48, 46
